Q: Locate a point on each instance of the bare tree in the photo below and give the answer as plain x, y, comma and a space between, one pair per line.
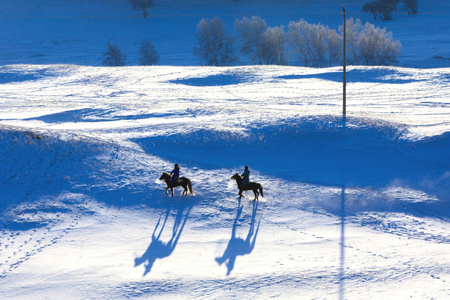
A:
114, 56
382, 8
411, 6
215, 47
371, 7
147, 54
143, 5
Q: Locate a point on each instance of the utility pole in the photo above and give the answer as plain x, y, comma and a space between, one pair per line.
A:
344, 77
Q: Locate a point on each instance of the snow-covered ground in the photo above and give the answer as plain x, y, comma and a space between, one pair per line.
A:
352, 209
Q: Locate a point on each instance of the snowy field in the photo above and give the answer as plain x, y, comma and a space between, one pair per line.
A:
356, 209
352, 209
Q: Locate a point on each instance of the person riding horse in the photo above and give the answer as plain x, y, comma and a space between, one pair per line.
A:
173, 180
245, 177
175, 174
249, 186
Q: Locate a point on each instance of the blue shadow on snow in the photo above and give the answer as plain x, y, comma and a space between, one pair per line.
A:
236, 245
319, 150
158, 249
214, 80
356, 75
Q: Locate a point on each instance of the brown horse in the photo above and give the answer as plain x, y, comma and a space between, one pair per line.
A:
183, 181
254, 186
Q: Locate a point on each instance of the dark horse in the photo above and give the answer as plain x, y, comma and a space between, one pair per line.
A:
254, 186
183, 181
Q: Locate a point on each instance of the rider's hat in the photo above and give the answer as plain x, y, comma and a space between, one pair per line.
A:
176, 166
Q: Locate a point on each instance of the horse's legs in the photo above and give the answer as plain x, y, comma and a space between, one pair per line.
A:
171, 190
240, 193
167, 188
255, 191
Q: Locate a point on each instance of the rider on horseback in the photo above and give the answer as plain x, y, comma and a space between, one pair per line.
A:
175, 174
245, 177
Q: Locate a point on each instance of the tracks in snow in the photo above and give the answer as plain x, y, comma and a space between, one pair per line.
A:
32, 227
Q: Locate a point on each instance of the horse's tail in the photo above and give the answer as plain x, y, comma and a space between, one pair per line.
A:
261, 190
190, 187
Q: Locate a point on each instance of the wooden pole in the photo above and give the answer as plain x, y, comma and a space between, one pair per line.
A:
344, 77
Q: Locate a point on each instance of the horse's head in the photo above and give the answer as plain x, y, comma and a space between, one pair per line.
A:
164, 176
235, 176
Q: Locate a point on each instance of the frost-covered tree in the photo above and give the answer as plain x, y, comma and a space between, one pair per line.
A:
315, 44
250, 35
411, 6
260, 43
369, 45
114, 56
143, 5
274, 46
353, 34
376, 46
214, 46
147, 54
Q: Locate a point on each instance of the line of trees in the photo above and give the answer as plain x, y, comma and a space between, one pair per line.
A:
315, 45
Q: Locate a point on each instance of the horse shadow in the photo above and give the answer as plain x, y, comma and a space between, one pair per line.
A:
236, 245
159, 249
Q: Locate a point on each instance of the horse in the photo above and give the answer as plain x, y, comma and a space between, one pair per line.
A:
183, 181
254, 186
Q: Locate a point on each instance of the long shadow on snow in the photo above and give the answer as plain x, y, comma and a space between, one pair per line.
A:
320, 150
92, 115
236, 245
158, 249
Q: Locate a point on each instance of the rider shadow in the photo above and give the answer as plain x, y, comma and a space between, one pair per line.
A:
159, 249
238, 246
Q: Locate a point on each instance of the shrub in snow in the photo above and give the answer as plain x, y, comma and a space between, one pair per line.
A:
262, 44
215, 47
147, 54
370, 45
114, 56
316, 45
142, 5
